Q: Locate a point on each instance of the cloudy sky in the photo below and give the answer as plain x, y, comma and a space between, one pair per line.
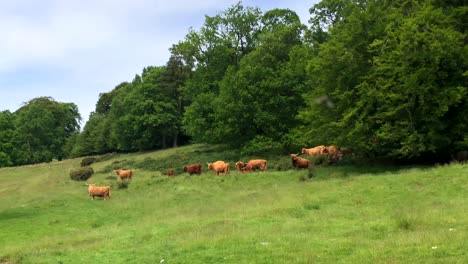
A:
73, 50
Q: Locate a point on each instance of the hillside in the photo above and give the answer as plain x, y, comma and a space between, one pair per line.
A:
343, 214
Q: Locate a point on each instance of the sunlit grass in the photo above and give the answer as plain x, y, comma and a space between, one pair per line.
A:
342, 214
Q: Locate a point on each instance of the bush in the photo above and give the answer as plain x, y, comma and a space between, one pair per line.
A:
81, 174
122, 184
88, 161
261, 145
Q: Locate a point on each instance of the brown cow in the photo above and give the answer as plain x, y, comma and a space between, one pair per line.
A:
315, 151
240, 166
124, 174
219, 167
101, 191
170, 172
254, 164
334, 153
193, 169
298, 162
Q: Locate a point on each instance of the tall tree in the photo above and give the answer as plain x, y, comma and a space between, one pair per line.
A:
7, 130
222, 42
171, 82
258, 101
394, 74
42, 128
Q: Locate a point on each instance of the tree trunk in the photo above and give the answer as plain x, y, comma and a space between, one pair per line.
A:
174, 145
164, 141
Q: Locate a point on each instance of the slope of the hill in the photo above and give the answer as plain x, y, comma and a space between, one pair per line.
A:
343, 214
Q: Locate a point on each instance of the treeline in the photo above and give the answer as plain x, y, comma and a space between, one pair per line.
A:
387, 79
37, 132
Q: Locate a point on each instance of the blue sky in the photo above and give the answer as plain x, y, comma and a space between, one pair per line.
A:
73, 50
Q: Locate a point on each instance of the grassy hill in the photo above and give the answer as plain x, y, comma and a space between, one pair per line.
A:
343, 214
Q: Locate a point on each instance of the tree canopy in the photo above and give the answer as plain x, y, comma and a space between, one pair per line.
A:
385, 78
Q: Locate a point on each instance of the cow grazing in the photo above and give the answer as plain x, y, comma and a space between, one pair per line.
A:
315, 151
334, 153
124, 174
170, 172
101, 191
299, 163
193, 169
240, 166
219, 167
254, 164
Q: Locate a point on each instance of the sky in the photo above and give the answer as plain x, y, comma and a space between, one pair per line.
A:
73, 50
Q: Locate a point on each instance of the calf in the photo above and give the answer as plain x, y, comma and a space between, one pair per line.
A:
240, 166
298, 162
193, 169
170, 172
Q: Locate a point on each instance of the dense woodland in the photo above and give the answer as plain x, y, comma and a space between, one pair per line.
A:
387, 79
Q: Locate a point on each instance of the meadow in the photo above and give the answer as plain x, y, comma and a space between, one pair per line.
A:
337, 214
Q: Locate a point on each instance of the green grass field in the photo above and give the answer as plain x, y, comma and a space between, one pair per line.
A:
344, 214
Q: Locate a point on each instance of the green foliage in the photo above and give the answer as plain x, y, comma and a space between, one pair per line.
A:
261, 145
7, 130
88, 161
38, 131
123, 184
394, 74
81, 174
385, 78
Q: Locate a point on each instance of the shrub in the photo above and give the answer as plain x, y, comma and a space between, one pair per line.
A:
261, 145
88, 161
81, 174
122, 184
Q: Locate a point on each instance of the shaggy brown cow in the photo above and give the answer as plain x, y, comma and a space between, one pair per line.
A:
298, 162
334, 153
315, 151
124, 174
240, 166
193, 169
254, 164
101, 191
219, 167
170, 172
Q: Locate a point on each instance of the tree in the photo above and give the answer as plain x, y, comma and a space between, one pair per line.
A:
260, 99
144, 118
222, 42
7, 130
41, 129
172, 80
394, 74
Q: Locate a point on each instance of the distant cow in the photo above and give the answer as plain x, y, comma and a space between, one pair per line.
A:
298, 162
193, 169
124, 174
240, 166
334, 153
170, 172
315, 151
101, 191
219, 167
254, 164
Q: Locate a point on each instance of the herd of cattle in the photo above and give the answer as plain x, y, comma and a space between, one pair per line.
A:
332, 152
